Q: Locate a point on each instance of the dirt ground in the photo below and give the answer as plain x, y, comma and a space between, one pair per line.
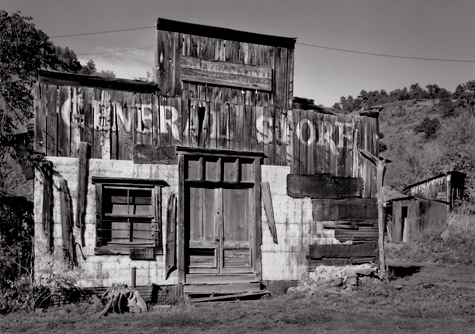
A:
430, 299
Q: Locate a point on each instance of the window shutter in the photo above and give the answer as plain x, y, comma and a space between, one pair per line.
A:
98, 215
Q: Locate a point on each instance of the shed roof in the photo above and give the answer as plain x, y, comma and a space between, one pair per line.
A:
225, 33
454, 172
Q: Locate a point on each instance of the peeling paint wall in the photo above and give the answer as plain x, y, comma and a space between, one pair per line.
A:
98, 270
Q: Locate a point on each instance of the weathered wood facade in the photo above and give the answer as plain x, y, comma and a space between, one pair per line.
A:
221, 164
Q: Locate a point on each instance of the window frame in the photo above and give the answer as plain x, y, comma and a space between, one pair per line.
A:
156, 242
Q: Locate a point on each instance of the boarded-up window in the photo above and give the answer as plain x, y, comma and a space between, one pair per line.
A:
127, 216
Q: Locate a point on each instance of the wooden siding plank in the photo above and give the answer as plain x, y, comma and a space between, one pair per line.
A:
52, 114
226, 74
75, 132
344, 209
64, 122
39, 105
96, 150
125, 125
233, 130
323, 186
170, 251
84, 150
269, 210
162, 62
88, 124
147, 120
151, 154
114, 135
240, 126
342, 251
295, 167
185, 122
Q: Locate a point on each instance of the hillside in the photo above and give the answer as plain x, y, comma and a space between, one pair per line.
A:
397, 122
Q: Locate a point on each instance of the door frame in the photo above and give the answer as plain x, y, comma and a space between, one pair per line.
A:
255, 225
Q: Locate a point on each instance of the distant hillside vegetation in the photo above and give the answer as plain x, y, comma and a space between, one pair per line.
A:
424, 132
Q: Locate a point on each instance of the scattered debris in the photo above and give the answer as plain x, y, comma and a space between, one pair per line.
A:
445, 235
121, 299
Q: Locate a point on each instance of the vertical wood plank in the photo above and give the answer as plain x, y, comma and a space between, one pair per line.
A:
249, 124
295, 168
233, 130
137, 130
257, 144
240, 125
75, 133
155, 120
114, 136
88, 125
147, 120
106, 122
290, 77
125, 125
194, 123
289, 138
39, 94
64, 123
185, 122
175, 129
96, 150
178, 50
349, 129
310, 140
162, 62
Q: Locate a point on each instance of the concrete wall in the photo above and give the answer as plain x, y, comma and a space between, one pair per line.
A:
100, 270
293, 217
283, 261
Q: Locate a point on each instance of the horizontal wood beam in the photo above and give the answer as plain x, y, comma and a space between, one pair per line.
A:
226, 74
218, 152
323, 186
128, 181
342, 251
344, 209
151, 154
79, 80
225, 33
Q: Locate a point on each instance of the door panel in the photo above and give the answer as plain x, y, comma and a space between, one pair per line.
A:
236, 250
203, 244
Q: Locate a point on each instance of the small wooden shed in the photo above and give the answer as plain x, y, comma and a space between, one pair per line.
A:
413, 215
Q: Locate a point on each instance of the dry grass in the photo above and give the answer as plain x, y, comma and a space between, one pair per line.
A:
374, 308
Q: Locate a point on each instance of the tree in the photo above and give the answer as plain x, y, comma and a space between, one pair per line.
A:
432, 91
89, 68
23, 51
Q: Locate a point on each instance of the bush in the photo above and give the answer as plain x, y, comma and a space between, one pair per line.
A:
429, 127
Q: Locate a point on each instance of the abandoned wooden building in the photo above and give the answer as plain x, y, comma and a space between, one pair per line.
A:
206, 176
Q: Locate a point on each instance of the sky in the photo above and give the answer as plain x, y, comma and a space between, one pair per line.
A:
435, 29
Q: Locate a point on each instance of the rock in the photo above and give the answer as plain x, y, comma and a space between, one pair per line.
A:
352, 281
350, 272
445, 235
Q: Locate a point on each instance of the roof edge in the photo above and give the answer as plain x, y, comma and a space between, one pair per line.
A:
225, 33
72, 79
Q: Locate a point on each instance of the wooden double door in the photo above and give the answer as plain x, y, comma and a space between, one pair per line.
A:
220, 216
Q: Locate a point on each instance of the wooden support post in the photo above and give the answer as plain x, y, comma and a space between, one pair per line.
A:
380, 171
